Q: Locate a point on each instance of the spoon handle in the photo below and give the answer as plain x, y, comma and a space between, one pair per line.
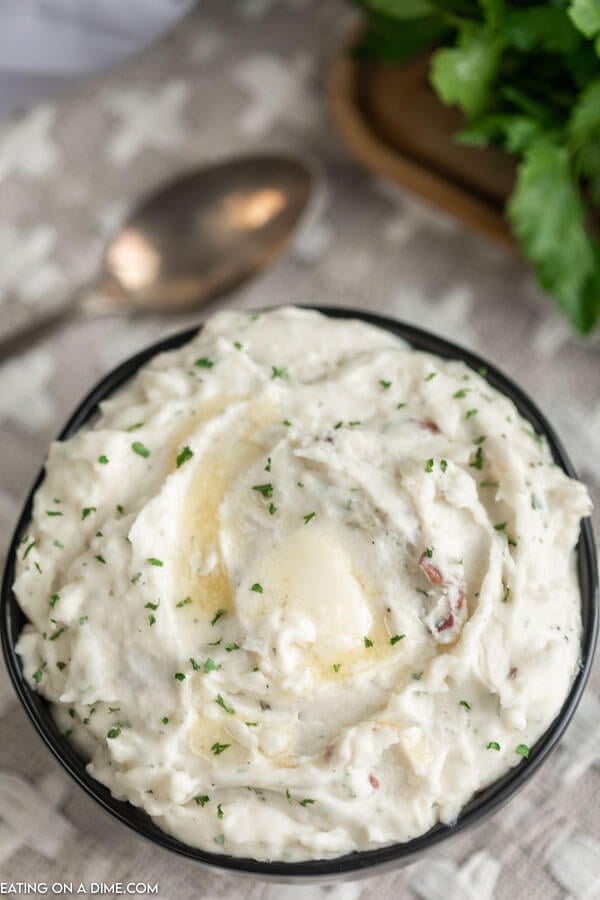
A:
25, 336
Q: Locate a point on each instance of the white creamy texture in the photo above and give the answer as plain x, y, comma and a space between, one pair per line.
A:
327, 663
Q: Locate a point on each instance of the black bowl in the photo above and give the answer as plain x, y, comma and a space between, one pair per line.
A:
482, 804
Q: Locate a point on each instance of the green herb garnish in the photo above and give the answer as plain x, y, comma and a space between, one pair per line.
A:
210, 665
230, 647
155, 562
179, 676
493, 745
523, 750
184, 455
368, 642
218, 615
204, 363
477, 461
265, 489
257, 588
465, 704
396, 638
429, 465
37, 675
220, 702
140, 449
103, 460
219, 748
308, 517
279, 373
202, 800
184, 602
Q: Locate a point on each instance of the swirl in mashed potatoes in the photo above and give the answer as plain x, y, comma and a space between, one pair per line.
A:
301, 590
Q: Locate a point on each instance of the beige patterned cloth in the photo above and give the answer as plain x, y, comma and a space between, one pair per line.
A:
235, 76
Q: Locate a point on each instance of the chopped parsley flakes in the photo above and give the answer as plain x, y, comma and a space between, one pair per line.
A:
265, 489
218, 615
279, 373
155, 562
204, 363
477, 461
308, 517
493, 745
220, 702
53, 512
103, 460
37, 675
465, 704
210, 665
368, 642
114, 733
429, 465
140, 449
179, 676
257, 588
219, 748
28, 548
337, 667
54, 600
87, 511
202, 799
184, 455
396, 638
385, 384
523, 750
230, 647
184, 602
471, 413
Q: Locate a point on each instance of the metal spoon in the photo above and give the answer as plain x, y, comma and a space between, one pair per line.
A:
188, 242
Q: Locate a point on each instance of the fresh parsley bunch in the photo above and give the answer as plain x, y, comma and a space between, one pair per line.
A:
527, 77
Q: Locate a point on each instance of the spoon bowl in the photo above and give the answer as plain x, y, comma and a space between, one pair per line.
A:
205, 232
188, 242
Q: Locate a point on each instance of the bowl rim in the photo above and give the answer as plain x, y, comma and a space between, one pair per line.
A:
364, 862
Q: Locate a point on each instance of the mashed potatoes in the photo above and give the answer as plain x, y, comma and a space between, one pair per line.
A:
301, 589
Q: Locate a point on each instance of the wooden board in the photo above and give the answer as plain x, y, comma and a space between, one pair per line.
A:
394, 124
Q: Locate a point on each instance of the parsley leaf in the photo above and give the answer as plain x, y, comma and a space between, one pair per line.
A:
183, 456
265, 489
140, 449
217, 748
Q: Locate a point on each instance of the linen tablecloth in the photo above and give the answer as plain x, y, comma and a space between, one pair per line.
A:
239, 76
